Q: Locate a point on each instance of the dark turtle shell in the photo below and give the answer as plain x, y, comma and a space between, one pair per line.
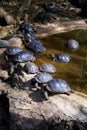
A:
47, 67
30, 37
12, 50
36, 46
52, 9
43, 77
26, 28
23, 56
65, 58
58, 86
31, 68
72, 44
4, 43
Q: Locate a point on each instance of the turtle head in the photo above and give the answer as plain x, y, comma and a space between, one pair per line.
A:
33, 59
53, 57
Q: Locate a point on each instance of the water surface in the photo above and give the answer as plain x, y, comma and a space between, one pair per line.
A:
75, 72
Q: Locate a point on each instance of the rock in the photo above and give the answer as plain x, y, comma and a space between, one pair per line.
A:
29, 110
15, 41
4, 74
21, 80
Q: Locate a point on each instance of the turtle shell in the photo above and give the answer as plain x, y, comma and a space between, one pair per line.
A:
72, 44
30, 37
58, 86
43, 77
36, 46
26, 28
47, 67
52, 9
65, 58
23, 56
12, 50
4, 43
31, 68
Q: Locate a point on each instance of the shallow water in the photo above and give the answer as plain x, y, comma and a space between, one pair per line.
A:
75, 72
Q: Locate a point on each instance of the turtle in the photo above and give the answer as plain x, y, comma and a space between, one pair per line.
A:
72, 44
42, 78
26, 28
31, 68
23, 56
10, 51
65, 58
59, 86
30, 37
53, 9
36, 47
47, 67
50, 7
4, 43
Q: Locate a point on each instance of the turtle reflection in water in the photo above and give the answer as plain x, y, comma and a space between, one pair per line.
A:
59, 86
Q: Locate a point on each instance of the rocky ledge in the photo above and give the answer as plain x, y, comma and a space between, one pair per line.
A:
29, 110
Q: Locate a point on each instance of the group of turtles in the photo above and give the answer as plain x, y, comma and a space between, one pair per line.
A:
15, 55
56, 85
29, 37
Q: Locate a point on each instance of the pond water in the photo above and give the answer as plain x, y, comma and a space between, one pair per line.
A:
75, 72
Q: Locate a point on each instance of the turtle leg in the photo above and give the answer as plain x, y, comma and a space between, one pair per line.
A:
45, 92
5, 56
68, 93
37, 86
46, 95
72, 91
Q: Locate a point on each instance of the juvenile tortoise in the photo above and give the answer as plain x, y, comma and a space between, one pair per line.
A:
31, 68
10, 51
26, 28
47, 67
20, 57
36, 47
72, 44
65, 58
29, 37
41, 78
59, 86
4, 43
23, 56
